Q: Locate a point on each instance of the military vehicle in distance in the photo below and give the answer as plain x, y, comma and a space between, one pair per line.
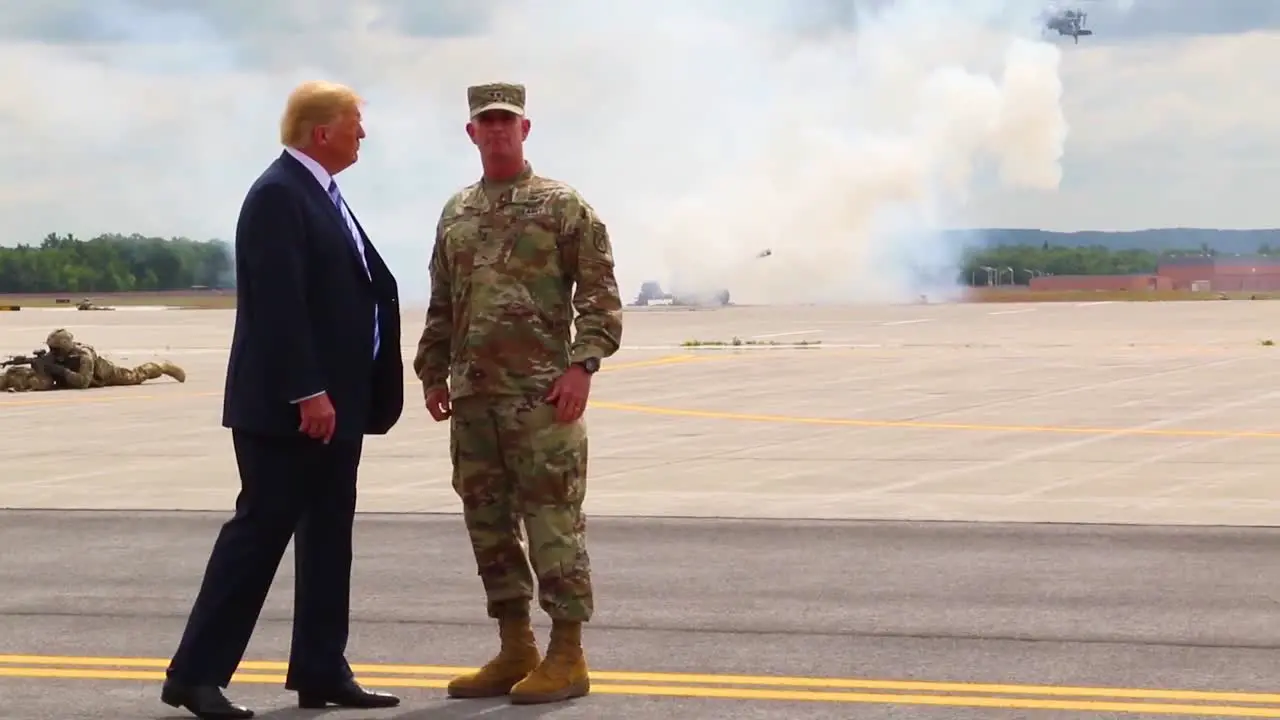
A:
651, 293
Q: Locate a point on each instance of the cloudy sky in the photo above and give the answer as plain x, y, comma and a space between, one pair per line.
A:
702, 130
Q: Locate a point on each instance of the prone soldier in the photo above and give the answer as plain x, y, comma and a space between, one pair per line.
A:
515, 255
69, 365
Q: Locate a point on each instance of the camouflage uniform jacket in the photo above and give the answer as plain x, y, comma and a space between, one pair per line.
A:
510, 265
83, 368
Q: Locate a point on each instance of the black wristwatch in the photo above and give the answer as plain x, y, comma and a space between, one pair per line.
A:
591, 365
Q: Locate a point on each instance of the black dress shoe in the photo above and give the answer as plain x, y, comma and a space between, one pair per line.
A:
204, 701
349, 694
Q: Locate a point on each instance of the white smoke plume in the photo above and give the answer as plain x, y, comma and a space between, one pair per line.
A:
876, 138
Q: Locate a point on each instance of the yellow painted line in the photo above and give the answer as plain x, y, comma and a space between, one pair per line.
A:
920, 425
667, 360
57, 663
721, 693
61, 398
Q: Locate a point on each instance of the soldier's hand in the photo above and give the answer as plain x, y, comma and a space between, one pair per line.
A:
569, 394
318, 418
438, 404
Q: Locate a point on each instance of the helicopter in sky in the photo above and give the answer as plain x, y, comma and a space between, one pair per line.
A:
1070, 21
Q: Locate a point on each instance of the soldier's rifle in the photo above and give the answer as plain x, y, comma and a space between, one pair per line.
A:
31, 359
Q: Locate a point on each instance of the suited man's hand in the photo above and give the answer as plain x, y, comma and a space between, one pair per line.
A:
318, 418
438, 404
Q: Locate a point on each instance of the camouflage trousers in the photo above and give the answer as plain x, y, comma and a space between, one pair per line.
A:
114, 375
513, 464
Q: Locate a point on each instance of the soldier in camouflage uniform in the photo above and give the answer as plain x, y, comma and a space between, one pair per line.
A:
70, 365
515, 255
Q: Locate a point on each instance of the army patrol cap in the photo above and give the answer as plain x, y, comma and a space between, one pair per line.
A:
496, 96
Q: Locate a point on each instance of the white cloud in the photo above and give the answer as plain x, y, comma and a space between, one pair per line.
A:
697, 128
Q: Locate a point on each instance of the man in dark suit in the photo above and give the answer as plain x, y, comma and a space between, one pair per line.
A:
315, 365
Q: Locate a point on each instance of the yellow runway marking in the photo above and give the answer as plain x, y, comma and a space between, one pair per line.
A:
725, 687
667, 360
921, 425
79, 399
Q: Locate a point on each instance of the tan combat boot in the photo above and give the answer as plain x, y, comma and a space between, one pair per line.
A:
517, 658
562, 675
173, 371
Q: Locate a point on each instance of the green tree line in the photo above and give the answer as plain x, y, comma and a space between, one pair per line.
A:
1024, 262
115, 263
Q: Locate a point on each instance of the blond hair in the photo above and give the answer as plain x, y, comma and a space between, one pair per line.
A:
313, 104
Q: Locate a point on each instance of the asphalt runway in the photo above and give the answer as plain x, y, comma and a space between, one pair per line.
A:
933, 511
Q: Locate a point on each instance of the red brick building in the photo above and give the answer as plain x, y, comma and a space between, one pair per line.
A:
1063, 283
1223, 273
1201, 273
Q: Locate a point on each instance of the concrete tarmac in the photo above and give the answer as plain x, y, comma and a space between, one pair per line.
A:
1035, 498
1124, 412
1019, 604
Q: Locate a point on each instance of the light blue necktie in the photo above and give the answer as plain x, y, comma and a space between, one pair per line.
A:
336, 196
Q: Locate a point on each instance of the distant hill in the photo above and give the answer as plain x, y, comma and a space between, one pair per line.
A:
1226, 242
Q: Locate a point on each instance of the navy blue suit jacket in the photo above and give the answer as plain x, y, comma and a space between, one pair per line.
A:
304, 314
